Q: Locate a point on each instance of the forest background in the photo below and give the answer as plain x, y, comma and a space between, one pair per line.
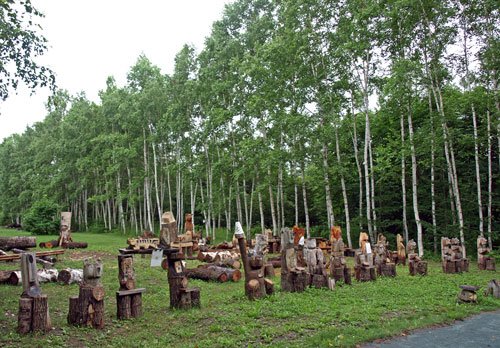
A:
379, 116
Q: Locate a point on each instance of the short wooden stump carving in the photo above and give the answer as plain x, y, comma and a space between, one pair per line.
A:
128, 298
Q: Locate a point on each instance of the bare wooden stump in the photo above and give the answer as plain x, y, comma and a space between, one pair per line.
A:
269, 286
365, 274
387, 270
40, 319
74, 316
136, 305
123, 305
25, 314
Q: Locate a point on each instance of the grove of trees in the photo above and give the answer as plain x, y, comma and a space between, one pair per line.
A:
379, 116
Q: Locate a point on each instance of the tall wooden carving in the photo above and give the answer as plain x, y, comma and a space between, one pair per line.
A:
415, 264
256, 286
315, 261
87, 309
294, 278
382, 259
452, 256
484, 262
181, 296
168, 233
33, 306
364, 268
401, 251
338, 267
128, 298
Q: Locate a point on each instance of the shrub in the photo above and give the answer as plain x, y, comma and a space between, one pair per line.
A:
41, 217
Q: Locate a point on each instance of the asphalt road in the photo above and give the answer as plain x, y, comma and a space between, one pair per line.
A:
482, 330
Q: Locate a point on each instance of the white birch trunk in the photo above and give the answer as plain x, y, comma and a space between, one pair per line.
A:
328, 196
304, 194
403, 179
344, 192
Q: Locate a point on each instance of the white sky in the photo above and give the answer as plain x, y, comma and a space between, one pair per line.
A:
90, 40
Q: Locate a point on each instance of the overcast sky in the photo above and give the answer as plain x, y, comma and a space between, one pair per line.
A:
92, 39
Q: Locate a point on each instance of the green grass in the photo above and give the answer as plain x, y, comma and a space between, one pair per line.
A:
316, 318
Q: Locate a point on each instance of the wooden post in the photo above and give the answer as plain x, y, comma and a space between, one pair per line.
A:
128, 298
168, 233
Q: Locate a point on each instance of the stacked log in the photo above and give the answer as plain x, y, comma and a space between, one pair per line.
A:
8, 243
181, 296
87, 309
128, 298
484, 261
315, 264
415, 264
452, 256
382, 259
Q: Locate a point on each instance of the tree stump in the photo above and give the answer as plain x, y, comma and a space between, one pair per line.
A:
493, 288
269, 270
128, 298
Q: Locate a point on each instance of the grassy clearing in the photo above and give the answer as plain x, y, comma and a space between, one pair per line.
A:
316, 318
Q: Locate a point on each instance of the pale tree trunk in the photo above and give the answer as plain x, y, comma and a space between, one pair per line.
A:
372, 189
119, 201
296, 195
261, 211
245, 205
490, 179
271, 202
157, 189
366, 159
358, 166
433, 195
449, 154
403, 179
192, 195
204, 211
282, 195
146, 186
304, 194
169, 190
251, 206
344, 192
328, 196
414, 186
238, 202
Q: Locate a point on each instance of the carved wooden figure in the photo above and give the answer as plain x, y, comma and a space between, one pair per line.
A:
168, 233
338, 267
256, 286
128, 298
382, 259
493, 288
401, 251
294, 278
315, 264
87, 309
181, 296
364, 268
468, 294
452, 256
415, 264
484, 262
33, 306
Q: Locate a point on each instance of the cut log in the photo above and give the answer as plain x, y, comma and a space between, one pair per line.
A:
40, 318
232, 274
69, 276
24, 315
47, 275
215, 273
253, 289
75, 245
49, 245
5, 277
2, 252
269, 286
7, 243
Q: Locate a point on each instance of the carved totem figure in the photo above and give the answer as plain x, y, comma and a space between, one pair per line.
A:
401, 251
484, 262
128, 298
87, 308
65, 229
363, 268
168, 233
315, 261
382, 259
415, 264
338, 267
452, 257
294, 278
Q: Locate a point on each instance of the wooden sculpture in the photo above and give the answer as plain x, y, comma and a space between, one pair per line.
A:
364, 268
316, 265
294, 278
87, 309
33, 305
452, 256
415, 264
382, 259
484, 262
128, 298
180, 295
338, 267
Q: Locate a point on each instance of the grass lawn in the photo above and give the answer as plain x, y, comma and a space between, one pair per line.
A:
345, 317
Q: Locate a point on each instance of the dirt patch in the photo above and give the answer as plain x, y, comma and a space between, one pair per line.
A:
81, 255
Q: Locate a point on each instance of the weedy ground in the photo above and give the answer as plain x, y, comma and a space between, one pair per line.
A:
348, 316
